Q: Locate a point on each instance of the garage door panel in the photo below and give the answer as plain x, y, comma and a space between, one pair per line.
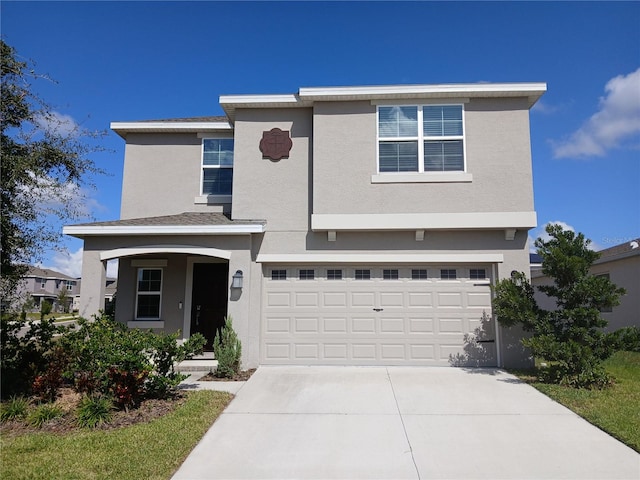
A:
278, 325
306, 325
392, 325
378, 321
334, 299
449, 299
335, 351
420, 325
363, 299
391, 299
278, 299
363, 325
335, 325
420, 299
364, 351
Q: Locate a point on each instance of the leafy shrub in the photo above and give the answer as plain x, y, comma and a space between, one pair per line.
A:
94, 411
15, 407
127, 386
628, 338
43, 413
46, 385
24, 352
227, 350
108, 358
45, 308
166, 352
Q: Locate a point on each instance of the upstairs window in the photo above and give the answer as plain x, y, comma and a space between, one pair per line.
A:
70, 284
217, 166
422, 138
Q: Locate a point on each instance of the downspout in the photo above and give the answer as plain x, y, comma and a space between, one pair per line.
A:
494, 280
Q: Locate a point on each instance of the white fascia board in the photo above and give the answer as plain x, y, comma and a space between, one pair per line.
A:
122, 128
92, 230
390, 258
240, 100
320, 93
423, 221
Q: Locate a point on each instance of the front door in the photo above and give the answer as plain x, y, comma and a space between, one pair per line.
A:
209, 299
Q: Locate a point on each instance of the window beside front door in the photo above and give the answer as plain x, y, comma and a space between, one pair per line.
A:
148, 293
420, 138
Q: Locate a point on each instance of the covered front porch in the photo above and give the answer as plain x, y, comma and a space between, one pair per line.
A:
182, 273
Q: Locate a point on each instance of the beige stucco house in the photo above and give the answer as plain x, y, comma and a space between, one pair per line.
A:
337, 226
44, 284
621, 264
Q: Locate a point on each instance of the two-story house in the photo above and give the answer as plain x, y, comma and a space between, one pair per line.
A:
339, 226
48, 285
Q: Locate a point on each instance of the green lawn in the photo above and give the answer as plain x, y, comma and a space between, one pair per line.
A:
615, 410
153, 450
58, 317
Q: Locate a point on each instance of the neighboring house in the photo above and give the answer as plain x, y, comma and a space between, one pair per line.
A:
621, 264
47, 285
340, 225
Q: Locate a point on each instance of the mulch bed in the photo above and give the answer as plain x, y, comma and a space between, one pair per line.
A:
68, 401
239, 377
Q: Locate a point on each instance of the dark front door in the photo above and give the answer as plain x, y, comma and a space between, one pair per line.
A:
209, 299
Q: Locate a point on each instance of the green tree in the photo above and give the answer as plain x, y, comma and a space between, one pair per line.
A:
45, 167
571, 337
63, 299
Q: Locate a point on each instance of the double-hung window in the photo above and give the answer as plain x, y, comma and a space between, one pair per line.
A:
217, 166
420, 138
149, 293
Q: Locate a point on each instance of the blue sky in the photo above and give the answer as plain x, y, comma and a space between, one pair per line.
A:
124, 61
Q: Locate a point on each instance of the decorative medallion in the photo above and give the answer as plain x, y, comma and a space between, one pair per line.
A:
275, 144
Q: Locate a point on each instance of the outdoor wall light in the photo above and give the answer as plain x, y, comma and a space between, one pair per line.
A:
236, 281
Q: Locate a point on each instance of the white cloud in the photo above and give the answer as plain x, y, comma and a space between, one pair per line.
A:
616, 121
57, 123
70, 263
541, 232
544, 108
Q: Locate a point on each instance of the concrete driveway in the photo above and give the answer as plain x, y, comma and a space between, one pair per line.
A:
401, 423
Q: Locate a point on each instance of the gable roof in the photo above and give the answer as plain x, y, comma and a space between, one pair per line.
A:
622, 250
47, 273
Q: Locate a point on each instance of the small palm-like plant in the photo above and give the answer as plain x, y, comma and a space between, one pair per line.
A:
15, 408
94, 411
43, 414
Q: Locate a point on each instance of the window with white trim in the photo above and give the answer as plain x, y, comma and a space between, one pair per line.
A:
278, 274
217, 166
148, 293
69, 284
448, 274
477, 274
334, 274
419, 274
362, 274
306, 274
420, 138
390, 274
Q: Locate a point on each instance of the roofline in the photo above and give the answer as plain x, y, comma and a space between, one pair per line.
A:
99, 230
307, 95
122, 128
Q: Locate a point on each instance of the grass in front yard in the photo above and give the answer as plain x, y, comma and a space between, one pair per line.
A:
152, 450
615, 410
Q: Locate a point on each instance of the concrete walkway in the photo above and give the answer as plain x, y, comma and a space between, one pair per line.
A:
401, 423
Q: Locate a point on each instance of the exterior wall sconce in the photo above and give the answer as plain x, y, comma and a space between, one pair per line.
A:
237, 278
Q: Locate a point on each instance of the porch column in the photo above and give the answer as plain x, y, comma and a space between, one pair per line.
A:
92, 288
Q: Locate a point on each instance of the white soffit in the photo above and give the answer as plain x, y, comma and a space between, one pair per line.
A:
423, 221
389, 258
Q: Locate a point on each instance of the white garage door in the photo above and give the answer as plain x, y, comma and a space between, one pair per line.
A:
377, 315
